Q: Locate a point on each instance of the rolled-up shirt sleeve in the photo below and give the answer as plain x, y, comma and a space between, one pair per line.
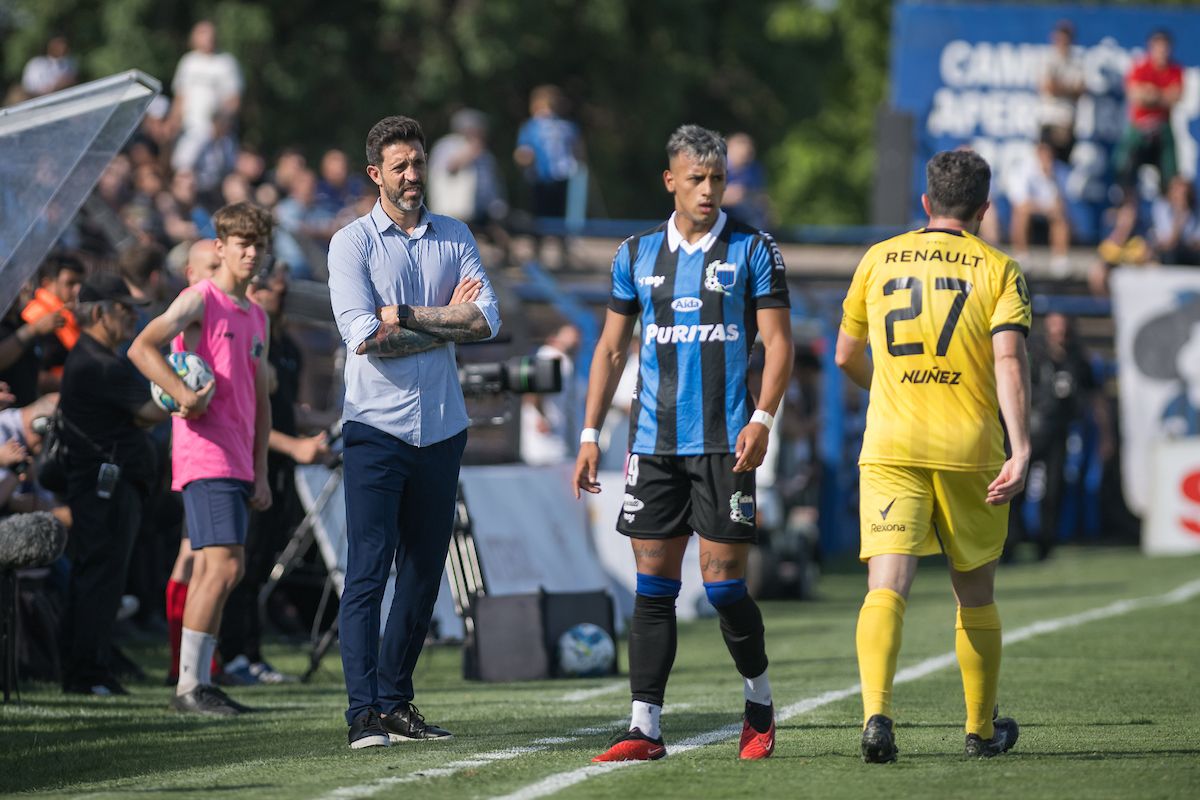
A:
350, 290
471, 267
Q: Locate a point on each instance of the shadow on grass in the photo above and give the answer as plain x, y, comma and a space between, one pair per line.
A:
205, 790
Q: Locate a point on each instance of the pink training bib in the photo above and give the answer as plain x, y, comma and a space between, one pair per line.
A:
220, 444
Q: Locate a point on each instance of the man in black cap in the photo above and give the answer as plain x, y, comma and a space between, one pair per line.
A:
105, 405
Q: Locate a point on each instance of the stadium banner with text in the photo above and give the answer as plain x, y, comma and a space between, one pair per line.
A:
969, 75
1157, 316
1173, 524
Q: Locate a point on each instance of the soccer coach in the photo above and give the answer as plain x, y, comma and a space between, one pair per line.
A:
405, 286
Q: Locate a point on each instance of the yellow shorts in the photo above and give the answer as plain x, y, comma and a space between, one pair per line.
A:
921, 511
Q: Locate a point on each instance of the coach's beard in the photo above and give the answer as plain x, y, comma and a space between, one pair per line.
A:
405, 204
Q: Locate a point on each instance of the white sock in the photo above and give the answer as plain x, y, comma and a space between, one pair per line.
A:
758, 690
191, 651
645, 718
206, 658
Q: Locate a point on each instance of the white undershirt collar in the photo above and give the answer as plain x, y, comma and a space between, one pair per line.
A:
675, 239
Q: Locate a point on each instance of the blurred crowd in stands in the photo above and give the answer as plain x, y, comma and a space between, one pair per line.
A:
1153, 218
151, 217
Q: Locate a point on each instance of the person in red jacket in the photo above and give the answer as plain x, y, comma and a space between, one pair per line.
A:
1153, 87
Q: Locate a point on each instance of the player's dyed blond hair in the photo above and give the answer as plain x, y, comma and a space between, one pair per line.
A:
706, 146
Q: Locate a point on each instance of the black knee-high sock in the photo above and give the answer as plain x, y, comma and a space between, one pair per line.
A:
653, 637
742, 627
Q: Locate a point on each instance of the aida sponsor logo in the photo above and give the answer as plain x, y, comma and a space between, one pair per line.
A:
687, 304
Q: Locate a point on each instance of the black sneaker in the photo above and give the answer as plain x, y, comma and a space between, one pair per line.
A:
407, 725
878, 743
1002, 740
367, 731
204, 700
241, 709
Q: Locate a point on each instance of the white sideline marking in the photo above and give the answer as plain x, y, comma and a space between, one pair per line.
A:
556, 783
482, 759
579, 695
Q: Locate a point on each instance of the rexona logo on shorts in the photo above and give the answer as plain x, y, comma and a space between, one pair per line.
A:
687, 304
673, 334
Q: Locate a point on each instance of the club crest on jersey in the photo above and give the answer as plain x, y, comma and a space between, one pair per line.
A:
256, 348
719, 276
741, 508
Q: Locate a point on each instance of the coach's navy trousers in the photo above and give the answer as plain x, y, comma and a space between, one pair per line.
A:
399, 507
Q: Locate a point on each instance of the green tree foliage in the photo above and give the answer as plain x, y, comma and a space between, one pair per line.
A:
804, 77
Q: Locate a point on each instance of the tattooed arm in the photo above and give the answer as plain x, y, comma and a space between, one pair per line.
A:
458, 323
393, 340
473, 312
390, 340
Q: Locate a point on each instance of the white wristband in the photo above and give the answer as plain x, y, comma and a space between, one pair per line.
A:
762, 418
589, 436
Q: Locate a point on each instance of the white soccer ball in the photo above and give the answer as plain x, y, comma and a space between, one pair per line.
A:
195, 373
586, 650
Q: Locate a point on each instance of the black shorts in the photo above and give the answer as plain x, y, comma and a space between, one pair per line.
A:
669, 496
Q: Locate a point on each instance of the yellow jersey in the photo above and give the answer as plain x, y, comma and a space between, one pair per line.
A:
929, 302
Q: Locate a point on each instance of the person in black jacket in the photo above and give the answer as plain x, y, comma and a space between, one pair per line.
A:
105, 406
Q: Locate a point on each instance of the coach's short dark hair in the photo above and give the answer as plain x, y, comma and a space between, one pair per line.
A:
390, 130
957, 183
700, 143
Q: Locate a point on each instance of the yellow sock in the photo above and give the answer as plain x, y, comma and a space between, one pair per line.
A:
880, 623
977, 644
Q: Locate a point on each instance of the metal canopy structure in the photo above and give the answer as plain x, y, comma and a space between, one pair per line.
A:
53, 150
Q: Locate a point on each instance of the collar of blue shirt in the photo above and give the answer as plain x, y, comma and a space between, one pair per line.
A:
383, 222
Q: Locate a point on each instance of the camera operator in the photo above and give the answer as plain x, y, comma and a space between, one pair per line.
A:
548, 424
105, 404
19, 443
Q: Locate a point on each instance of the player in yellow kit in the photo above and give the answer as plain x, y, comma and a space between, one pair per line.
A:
946, 317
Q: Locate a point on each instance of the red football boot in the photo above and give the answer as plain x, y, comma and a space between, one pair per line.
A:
756, 744
633, 745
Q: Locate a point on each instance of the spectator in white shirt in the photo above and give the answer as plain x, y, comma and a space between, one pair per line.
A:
207, 85
1175, 225
1061, 85
50, 72
1035, 194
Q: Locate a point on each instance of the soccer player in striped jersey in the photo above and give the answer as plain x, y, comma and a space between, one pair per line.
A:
946, 317
703, 287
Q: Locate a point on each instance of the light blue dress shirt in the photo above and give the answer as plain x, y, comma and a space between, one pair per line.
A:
373, 263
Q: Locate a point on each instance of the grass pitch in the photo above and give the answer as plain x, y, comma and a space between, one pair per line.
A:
1108, 708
